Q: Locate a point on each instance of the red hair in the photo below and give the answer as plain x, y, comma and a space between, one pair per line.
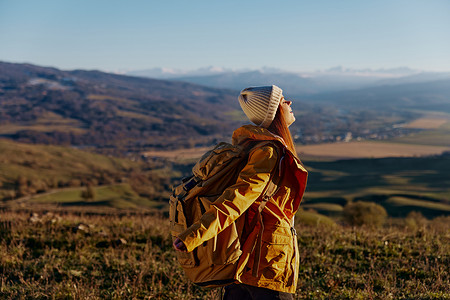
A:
280, 128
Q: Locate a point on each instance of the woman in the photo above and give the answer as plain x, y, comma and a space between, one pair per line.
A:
271, 271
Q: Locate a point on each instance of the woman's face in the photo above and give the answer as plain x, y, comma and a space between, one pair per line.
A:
285, 105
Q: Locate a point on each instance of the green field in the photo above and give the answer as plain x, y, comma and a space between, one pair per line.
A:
56, 174
401, 185
116, 196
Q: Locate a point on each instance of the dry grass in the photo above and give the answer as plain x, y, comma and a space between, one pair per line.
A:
368, 149
363, 149
427, 123
179, 154
129, 256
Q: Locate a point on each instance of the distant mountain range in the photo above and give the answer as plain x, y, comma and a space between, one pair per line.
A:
295, 84
424, 96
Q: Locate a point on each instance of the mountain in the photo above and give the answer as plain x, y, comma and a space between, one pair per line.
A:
295, 83
428, 96
119, 114
47, 105
168, 73
291, 83
415, 78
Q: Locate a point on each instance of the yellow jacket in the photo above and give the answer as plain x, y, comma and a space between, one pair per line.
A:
278, 264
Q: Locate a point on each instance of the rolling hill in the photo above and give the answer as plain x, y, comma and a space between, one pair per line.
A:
47, 105
56, 174
401, 185
121, 114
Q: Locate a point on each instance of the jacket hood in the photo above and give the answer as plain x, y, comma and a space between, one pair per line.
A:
252, 132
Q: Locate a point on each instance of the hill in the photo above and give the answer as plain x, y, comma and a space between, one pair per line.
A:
119, 114
47, 105
401, 185
55, 174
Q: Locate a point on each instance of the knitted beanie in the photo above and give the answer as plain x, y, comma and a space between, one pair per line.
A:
260, 103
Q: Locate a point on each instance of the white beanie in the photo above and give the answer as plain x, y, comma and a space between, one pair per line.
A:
260, 103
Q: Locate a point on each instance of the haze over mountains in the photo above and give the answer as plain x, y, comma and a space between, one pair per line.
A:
297, 83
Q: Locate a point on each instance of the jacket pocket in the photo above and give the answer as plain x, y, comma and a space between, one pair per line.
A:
277, 249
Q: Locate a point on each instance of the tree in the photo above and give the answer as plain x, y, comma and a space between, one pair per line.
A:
21, 186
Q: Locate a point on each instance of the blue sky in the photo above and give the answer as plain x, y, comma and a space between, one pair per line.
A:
292, 35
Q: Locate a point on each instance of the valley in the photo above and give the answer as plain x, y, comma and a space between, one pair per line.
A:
93, 140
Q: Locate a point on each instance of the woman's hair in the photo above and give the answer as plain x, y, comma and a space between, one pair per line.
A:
280, 128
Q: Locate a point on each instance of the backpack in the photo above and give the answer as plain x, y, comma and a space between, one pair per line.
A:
214, 263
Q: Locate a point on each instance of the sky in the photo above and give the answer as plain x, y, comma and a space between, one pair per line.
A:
298, 35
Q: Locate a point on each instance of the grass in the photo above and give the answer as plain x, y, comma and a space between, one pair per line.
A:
370, 149
129, 256
329, 208
35, 170
11, 129
433, 137
422, 184
116, 196
46, 122
42, 161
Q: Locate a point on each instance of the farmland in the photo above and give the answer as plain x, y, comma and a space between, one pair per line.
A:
368, 149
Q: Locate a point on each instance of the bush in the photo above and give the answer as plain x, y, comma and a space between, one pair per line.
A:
364, 213
89, 194
415, 220
312, 218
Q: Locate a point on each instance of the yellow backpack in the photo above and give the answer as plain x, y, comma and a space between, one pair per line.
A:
214, 262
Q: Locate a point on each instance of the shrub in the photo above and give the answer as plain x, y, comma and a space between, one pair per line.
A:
415, 220
312, 218
364, 213
89, 194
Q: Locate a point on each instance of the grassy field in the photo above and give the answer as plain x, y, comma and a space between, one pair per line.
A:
129, 256
368, 149
436, 133
363, 149
427, 123
401, 185
50, 162
115, 196
58, 174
